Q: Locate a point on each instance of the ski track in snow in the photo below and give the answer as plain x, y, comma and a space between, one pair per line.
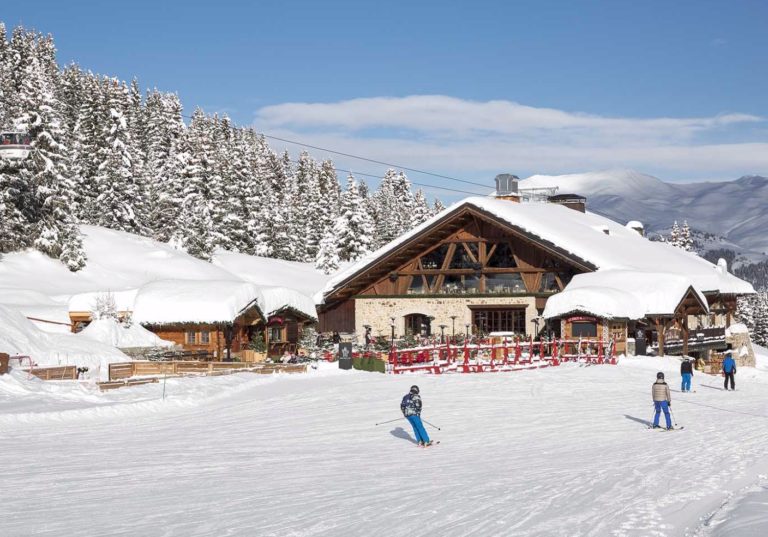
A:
554, 452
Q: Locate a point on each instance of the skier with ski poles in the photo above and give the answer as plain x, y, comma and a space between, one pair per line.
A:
729, 370
686, 371
662, 400
411, 408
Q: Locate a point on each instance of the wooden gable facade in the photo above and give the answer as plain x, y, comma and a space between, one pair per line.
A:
470, 254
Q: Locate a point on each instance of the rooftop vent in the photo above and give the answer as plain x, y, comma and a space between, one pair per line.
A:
506, 186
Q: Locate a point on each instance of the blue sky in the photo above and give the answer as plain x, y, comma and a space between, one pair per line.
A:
468, 89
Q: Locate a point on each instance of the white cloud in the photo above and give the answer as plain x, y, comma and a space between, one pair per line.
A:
447, 134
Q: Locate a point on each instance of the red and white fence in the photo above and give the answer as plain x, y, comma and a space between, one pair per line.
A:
489, 357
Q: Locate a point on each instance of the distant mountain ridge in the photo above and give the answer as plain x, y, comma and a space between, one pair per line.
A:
735, 210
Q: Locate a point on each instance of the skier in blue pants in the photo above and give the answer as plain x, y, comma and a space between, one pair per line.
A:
662, 400
686, 371
411, 408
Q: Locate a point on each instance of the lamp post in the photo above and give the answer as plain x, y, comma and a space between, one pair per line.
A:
466, 331
392, 325
442, 333
453, 328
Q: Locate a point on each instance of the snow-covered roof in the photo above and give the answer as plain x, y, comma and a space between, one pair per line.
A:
189, 301
622, 294
87, 301
275, 299
592, 238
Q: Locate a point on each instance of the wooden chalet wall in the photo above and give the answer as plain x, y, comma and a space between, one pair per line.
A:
340, 318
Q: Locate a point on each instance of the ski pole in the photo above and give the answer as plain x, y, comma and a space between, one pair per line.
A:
390, 421
435, 426
673, 416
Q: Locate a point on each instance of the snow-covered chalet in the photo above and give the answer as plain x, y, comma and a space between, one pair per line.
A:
497, 264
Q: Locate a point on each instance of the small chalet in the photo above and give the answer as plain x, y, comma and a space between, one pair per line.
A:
217, 318
214, 316
492, 264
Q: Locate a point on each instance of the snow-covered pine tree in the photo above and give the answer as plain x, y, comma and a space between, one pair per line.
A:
327, 260
16, 209
674, 235
165, 130
421, 211
686, 241
46, 169
119, 191
354, 227
306, 208
437, 207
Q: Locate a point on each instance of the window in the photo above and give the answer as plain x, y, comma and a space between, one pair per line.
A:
417, 286
205, 337
275, 333
501, 257
548, 283
418, 324
584, 329
463, 256
434, 259
461, 284
499, 320
504, 283
189, 337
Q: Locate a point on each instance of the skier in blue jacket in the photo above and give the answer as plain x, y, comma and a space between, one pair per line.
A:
411, 408
729, 370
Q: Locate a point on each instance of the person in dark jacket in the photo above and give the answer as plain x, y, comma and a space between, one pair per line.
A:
411, 409
686, 370
729, 370
662, 400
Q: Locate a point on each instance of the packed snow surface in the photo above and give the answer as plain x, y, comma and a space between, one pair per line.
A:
117, 334
554, 452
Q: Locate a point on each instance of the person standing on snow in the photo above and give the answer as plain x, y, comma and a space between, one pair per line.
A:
729, 370
411, 409
662, 400
686, 370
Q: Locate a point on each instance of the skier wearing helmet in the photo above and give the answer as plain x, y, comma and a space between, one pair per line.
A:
411, 408
662, 400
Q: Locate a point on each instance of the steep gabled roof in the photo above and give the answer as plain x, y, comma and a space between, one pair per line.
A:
587, 239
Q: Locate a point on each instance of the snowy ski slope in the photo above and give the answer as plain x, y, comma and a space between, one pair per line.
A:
555, 452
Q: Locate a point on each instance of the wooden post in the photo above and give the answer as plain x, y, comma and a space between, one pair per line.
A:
684, 326
660, 336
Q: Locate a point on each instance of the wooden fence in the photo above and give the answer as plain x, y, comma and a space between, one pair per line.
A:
125, 370
65, 372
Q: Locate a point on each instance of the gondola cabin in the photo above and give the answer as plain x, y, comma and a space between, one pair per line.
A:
14, 145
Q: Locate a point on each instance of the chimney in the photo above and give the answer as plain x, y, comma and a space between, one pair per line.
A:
506, 187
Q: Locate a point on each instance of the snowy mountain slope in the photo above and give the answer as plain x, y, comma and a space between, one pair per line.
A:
522, 459
122, 262
732, 209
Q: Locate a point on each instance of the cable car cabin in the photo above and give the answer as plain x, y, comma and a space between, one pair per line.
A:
14, 145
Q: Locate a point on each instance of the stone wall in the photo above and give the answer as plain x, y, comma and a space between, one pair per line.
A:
377, 312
